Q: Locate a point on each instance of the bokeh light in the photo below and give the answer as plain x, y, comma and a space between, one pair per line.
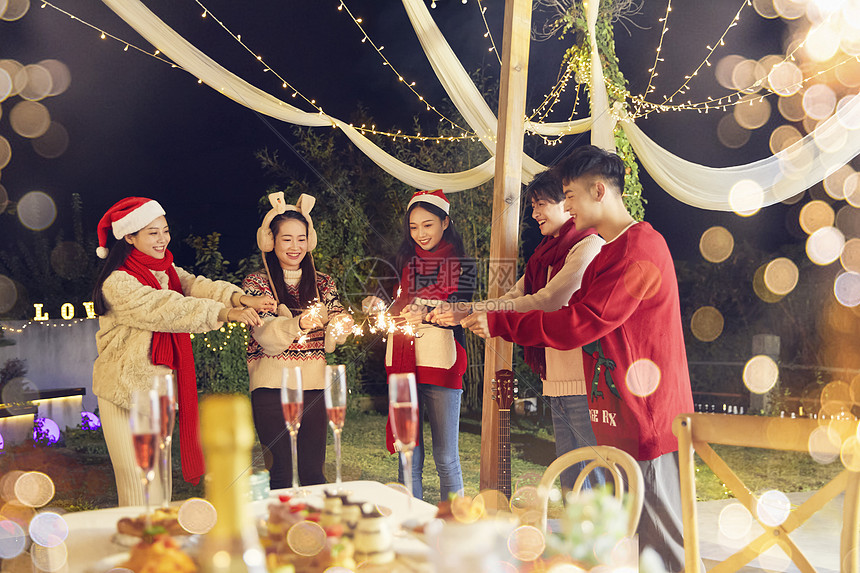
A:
38, 83
760, 374
7, 485
795, 162
830, 140
825, 245
824, 444
526, 543
791, 107
848, 73
746, 197
69, 260
30, 119
731, 134
772, 508
34, 489
61, 77
50, 430
4, 199
5, 83
785, 79
643, 377
846, 289
724, 68
465, 509
642, 280
5, 152
815, 215
822, 42
851, 188
780, 276
15, 10
88, 418
17, 391
748, 76
53, 143
197, 516
2, 443
834, 182
524, 498
783, 137
48, 529
13, 67
707, 323
850, 257
306, 538
850, 454
765, 9
50, 559
819, 101
760, 288
36, 210
13, 539
8, 294
846, 112
735, 521
753, 113
716, 244
789, 9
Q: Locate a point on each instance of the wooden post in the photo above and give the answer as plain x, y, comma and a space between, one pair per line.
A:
506, 210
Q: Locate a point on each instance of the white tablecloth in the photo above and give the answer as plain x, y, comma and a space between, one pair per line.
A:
90, 532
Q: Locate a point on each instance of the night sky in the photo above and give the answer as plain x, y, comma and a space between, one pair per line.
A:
138, 127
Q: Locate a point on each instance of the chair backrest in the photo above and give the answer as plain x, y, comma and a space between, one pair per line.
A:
696, 431
621, 467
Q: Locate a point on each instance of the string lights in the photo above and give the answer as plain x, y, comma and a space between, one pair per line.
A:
52, 324
488, 34
342, 7
228, 329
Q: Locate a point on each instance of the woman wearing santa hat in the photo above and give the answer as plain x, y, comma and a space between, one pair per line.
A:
147, 306
433, 269
309, 322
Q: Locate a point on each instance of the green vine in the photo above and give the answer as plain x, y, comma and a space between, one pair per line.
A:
616, 86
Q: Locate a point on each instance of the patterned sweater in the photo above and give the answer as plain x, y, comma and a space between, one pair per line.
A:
124, 339
274, 345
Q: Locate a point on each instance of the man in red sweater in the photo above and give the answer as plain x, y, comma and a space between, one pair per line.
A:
626, 317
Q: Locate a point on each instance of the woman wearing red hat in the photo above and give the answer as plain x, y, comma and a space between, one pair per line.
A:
147, 306
309, 322
432, 266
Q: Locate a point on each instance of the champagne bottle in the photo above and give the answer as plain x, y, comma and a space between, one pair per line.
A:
227, 434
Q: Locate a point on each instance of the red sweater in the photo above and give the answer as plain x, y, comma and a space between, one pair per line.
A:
627, 318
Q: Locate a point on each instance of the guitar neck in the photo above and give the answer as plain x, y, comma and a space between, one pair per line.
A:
504, 466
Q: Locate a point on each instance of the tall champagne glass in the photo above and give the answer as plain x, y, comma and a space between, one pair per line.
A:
403, 411
163, 385
145, 420
292, 401
335, 406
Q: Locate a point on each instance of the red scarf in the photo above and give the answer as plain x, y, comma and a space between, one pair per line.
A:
551, 252
174, 351
431, 275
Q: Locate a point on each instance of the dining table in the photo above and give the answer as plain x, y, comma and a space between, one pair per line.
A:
91, 545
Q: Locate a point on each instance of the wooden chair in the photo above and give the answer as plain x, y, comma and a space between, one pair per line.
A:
614, 461
696, 431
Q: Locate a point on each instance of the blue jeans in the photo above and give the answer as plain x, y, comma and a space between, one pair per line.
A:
442, 407
571, 425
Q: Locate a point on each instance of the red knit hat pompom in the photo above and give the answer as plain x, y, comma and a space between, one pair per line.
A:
127, 216
436, 198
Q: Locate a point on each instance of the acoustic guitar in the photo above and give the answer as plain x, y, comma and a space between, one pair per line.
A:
504, 388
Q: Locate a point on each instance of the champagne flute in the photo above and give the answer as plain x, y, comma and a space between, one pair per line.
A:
335, 406
145, 420
403, 411
163, 385
292, 401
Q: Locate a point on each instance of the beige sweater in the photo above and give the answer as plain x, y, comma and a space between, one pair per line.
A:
124, 339
565, 375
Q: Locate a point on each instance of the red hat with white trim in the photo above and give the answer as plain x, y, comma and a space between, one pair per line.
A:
436, 198
127, 216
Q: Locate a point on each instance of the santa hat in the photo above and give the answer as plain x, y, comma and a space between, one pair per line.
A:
436, 198
127, 216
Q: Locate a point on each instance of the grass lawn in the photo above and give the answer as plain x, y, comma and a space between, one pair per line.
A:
84, 480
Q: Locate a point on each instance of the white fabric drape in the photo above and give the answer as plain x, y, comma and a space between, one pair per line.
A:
603, 125
178, 49
760, 183
773, 179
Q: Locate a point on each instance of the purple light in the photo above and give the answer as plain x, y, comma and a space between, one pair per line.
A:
90, 421
47, 428
1, 441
